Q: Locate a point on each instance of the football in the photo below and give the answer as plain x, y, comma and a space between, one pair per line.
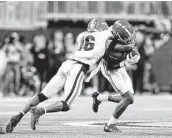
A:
133, 53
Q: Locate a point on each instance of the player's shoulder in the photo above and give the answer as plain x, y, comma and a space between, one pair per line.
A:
82, 34
104, 35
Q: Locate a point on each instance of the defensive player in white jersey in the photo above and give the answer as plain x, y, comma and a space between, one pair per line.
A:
121, 53
71, 74
112, 67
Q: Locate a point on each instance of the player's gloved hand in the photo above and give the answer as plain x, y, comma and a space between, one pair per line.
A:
129, 61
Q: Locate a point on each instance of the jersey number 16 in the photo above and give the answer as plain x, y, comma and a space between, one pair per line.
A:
87, 43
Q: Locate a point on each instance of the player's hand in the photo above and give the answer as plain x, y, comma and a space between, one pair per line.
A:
130, 60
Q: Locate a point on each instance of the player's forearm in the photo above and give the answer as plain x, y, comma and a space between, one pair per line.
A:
124, 64
123, 49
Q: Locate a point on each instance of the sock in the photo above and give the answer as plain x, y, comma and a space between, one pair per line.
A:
112, 121
102, 98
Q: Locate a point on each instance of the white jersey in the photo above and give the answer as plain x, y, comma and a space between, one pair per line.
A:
91, 47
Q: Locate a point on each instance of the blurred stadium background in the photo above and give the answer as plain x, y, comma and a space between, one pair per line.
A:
43, 33
37, 36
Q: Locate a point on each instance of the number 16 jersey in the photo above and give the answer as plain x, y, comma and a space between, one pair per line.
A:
91, 47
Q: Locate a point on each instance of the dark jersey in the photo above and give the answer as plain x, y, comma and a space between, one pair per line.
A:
116, 53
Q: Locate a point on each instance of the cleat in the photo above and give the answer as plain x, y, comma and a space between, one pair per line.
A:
2, 126
13, 122
35, 114
111, 128
96, 102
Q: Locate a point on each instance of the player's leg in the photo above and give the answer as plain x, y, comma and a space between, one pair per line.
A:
98, 98
73, 86
54, 85
16, 119
122, 84
116, 98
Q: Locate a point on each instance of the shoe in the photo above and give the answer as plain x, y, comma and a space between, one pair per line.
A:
96, 102
111, 128
13, 122
2, 126
35, 114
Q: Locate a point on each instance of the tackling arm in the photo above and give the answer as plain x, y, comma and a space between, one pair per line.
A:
131, 58
114, 62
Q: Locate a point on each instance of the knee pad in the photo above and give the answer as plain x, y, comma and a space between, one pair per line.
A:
65, 106
37, 99
42, 97
132, 100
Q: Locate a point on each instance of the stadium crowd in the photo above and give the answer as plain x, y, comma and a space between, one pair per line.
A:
27, 66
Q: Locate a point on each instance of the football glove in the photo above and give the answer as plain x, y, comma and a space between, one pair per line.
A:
129, 61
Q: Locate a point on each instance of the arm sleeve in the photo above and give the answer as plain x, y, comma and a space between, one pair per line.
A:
122, 49
119, 47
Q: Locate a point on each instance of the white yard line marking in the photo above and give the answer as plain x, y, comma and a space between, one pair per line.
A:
124, 123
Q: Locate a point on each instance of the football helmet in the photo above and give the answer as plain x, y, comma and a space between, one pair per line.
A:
97, 25
124, 32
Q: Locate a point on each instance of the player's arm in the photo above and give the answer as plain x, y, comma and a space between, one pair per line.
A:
116, 47
131, 59
123, 48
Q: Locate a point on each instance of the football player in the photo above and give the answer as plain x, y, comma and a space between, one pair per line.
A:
121, 53
117, 56
91, 48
